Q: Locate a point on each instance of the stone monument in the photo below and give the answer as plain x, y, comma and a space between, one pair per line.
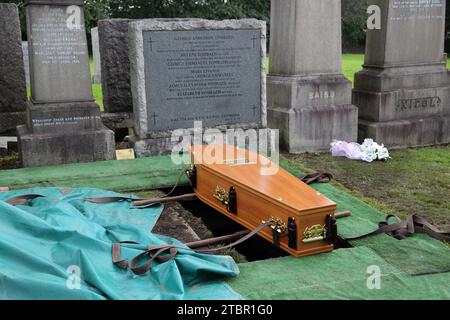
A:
97, 76
195, 70
309, 99
403, 92
115, 65
63, 121
13, 92
26, 61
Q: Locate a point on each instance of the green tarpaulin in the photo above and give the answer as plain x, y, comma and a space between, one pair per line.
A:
53, 243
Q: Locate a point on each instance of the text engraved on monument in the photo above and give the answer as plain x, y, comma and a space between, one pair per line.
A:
54, 42
75, 120
418, 103
212, 76
417, 10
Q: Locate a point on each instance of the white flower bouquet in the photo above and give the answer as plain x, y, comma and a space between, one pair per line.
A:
369, 151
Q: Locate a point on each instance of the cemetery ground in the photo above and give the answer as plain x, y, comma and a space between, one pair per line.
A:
413, 181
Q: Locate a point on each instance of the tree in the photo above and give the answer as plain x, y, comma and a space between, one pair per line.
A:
354, 18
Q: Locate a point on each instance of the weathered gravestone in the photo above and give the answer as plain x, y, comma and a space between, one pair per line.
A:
403, 92
97, 76
13, 94
26, 61
64, 124
115, 65
195, 70
309, 99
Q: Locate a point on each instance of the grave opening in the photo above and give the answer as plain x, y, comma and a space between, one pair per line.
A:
254, 249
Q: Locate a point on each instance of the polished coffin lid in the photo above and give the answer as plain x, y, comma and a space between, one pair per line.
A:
248, 170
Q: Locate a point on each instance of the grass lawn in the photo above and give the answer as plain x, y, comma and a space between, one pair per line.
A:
96, 87
414, 181
351, 63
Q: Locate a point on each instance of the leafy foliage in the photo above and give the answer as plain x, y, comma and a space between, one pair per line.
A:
354, 14
354, 17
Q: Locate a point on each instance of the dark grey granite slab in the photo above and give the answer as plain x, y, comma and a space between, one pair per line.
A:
13, 94
115, 65
213, 76
197, 70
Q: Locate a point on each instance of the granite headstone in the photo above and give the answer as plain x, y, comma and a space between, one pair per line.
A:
309, 99
97, 76
13, 94
115, 65
64, 123
195, 70
403, 91
58, 53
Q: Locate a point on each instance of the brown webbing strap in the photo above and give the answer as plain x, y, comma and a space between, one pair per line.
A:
177, 182
238, 242
412, 225
23, 200
215, 241
166, 253
317, 177
108, 199
145, 203
116, 258
155, 253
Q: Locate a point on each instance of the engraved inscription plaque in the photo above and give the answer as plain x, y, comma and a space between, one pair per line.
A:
212, 76
417, 10
59, 55
415, 31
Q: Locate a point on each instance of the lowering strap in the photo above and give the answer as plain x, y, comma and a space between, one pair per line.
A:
166, 253
412, 225
145, 203
23, 200
317, 177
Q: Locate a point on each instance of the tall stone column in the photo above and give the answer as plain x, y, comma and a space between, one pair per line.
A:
63, 121
403, 92
309, 99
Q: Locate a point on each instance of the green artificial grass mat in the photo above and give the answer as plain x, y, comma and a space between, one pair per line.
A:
341, 275
415, 268
120, 176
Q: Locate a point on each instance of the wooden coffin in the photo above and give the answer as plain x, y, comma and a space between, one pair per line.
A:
239, 184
